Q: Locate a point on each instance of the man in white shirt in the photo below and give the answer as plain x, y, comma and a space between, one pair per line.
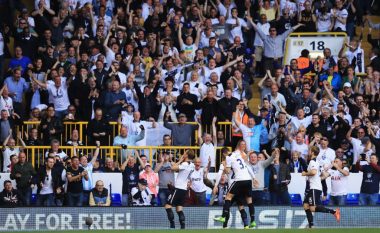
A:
237, 25
339, 182
300, 119
298, 144
211, 68
313, 192
197, 182
58, 94
208, 142
276, 98
326, 155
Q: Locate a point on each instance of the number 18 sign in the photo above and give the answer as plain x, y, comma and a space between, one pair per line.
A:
314, 42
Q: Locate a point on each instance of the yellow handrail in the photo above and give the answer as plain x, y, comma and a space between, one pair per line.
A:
36, 154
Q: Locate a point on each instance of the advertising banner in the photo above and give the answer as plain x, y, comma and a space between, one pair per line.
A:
111, 218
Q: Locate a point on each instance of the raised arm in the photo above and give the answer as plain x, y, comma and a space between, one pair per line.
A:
39, 83
96, 153
231, 63
180, 35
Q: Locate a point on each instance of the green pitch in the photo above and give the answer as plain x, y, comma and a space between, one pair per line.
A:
315, 230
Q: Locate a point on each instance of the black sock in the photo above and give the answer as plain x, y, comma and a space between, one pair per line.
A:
170, 214
244, 217
309, 216
226, 220
251, 208
181, 217
226, 208
323, 209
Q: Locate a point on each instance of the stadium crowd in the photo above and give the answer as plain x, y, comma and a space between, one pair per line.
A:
164, 63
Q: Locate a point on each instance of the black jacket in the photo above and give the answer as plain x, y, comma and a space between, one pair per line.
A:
284, 174
187, 109
95, 126
302, 165
10, 199
147, 104
226, 108
46, 126
55, 174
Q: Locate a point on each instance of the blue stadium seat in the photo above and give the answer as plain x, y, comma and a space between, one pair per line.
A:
352, 199
208, 197
116, 199
326, 202
296, 199
33, 199
378, 200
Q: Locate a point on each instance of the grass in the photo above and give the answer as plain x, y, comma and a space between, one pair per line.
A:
315, 230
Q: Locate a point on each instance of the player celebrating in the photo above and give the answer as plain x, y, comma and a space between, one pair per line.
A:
312, 201
242, 177
184, 167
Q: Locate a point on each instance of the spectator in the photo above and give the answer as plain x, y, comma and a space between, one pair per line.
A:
272, 55
55, 150
10, 197
152, 179
147, 101
258, 166
111, 166
74, 139
51, 126
88, 166
114, 100
165, 175
197, 184
75, 175
298, 145
9, 149
48, 180
371, 177
187, 102
141, 195
253, 133
98, 129
17, 86
181, 132
99, 196
278, 183
58, 94
23, 172
339, 183
207, 151
130, 171
297, 164
339, 14
123, 139
135, 129
19, 62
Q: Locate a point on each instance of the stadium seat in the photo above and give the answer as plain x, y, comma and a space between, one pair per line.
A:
208, 197
352, 199
326, 202
116, 199
296, 199
378, 200
33, 199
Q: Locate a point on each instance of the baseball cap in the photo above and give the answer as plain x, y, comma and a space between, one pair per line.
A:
143, 182
347, 84
181, 115
148, 164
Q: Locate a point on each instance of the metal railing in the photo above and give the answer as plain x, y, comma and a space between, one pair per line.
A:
81, 126
37, 154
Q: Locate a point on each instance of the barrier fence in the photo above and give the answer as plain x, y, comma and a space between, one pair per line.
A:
111, 218
81, 126
37, 154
